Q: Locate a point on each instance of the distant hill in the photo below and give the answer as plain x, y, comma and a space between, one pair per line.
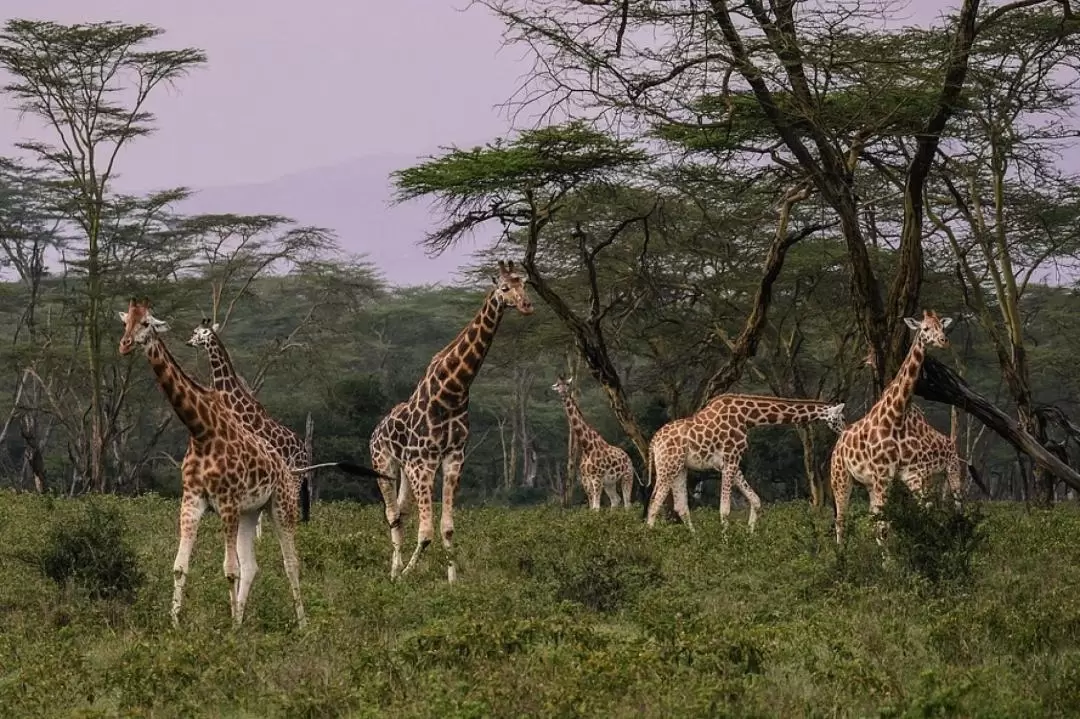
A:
353, 199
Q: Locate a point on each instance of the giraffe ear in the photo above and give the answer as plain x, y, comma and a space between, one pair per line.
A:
123, 317
159, 325
912, 323
215, 327
495, 280
945, 322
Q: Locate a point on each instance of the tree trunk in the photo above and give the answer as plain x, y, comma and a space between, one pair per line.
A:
33, 458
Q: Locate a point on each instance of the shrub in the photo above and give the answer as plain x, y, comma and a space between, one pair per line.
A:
934, 539
88, 552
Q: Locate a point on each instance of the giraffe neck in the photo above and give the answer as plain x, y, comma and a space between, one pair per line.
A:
583, 434
890, 408
452, 371
184, 394
223, 374
770, 410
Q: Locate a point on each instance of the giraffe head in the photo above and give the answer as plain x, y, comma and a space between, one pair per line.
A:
510, 289
203, 335
931, 331
834, 418
562, 386
139, 325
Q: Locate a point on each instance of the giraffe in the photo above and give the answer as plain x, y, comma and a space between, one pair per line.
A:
870, 450
430, 429
715, 438
927, 451
226, 467
602, 465
238, 397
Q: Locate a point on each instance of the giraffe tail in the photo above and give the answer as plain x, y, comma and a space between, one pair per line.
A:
357, 470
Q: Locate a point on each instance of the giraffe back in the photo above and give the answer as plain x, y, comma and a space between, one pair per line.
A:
287, 443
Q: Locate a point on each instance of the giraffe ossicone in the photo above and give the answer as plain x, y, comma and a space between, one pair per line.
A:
226, 466
428, 431
602, 467
715, 437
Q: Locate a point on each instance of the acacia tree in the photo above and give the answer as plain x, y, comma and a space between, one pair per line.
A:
1007, 211
818, 97
89, 84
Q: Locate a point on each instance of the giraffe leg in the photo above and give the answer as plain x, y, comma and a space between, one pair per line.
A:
747, 492
954, 476
592, 491
725, 495
421, 479
397, 532
840, 480
258, 526
230, 523
877, 502
661, 488
627, 487
192, 508
612, 494
680, 500
245, 550
283, 521
451, 474
394, 516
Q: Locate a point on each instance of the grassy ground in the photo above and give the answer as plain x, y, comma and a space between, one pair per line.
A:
557, 613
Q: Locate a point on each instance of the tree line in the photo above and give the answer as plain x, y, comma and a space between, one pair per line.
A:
748, 200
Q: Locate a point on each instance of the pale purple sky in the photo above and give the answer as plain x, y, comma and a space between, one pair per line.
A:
296, 85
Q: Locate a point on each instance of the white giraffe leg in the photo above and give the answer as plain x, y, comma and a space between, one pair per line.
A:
593, 490
747, 492
681, 500
245, 551
612, 494
230, 524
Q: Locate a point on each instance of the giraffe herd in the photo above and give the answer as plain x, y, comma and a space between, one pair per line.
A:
242, 463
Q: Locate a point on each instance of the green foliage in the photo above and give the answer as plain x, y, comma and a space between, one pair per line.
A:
933, 538
703, 625
533, 161
891, 110
88, 552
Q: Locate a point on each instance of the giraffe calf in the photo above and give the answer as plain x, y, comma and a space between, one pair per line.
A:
602, 467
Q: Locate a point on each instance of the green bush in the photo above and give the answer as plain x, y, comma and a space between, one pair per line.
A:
89, 553
598, 572
934, 539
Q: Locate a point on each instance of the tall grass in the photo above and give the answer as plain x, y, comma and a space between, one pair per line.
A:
556, 613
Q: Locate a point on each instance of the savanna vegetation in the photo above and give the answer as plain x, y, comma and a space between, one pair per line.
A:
717, 196
556, 612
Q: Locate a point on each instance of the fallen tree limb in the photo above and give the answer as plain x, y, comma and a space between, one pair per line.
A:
939, 383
